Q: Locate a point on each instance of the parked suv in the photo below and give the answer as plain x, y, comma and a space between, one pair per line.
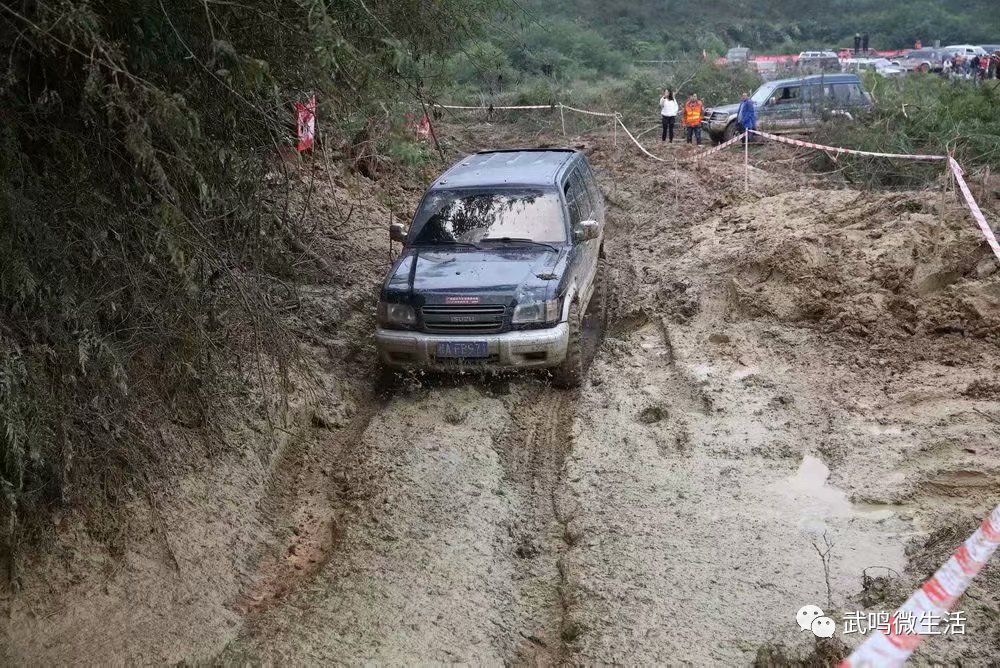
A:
924, 60
501, 262
793, 105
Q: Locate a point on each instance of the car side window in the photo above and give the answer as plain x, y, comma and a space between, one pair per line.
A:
573, 201
787, 95
579, 201
590, 181
847, 92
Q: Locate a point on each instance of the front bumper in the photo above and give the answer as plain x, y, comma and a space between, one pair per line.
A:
533, 348
716, 126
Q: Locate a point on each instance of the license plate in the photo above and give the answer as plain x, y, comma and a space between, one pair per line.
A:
462, 349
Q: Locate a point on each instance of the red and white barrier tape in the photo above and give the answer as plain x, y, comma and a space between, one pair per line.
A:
845, 151
977, 213
933, 600
696, 158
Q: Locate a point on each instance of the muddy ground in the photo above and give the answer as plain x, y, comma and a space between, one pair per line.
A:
794, 367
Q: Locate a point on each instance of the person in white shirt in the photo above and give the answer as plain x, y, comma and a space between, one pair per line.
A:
668, 112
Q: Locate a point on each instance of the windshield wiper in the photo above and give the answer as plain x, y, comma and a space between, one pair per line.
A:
516, 240
446, 242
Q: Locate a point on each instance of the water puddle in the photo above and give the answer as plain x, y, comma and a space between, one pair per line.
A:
814, 500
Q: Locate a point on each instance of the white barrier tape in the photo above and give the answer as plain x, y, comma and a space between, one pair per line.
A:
933, 600
977, 213
636, 141
589, 113
487, 108
696, 158
846, 151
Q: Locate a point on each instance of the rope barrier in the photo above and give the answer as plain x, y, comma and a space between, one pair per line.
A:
589, 113
488, 108
636, 141
846, 151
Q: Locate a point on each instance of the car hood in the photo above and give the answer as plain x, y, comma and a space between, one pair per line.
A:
725, 109
454, 276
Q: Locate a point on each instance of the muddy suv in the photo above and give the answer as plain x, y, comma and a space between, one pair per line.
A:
791, 105
503, 259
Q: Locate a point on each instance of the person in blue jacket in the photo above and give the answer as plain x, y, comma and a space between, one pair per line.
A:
747, 114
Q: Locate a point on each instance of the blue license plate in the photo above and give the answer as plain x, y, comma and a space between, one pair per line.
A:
468, 349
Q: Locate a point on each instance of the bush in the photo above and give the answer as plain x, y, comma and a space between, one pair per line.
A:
921, 114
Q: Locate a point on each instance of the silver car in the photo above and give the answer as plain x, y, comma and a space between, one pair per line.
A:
924, 60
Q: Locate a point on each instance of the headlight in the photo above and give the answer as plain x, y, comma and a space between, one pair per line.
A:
396, 314
537, 312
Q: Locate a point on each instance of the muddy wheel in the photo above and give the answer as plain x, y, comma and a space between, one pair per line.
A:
599, 303
386, 379
732, 130
570, 372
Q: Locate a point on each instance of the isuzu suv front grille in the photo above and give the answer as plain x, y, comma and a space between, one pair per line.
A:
464, 319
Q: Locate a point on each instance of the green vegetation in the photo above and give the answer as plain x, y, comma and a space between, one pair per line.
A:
921, 114
645, 30
139, 248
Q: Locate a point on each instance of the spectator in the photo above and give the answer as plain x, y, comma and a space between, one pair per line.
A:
694, 110
747, 114
668, 114
974, 67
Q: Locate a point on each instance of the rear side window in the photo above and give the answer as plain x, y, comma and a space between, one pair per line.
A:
847, 93
577, 198
596, 198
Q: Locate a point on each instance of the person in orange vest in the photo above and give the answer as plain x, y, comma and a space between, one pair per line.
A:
693, 112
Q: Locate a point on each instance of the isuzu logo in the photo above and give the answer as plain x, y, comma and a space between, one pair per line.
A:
463, 318
461, 300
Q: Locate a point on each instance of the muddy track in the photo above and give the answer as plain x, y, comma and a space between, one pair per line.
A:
770, 378
534, 456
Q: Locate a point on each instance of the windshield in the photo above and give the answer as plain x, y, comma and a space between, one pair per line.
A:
469, 216
762, 94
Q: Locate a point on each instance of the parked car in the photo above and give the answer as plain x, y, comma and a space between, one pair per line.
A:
504, 257
739, 55
965, 50
924, 60
881, 66
793, 105
818, 61
990, 48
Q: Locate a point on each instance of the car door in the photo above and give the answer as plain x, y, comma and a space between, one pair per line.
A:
784, 109
583, 263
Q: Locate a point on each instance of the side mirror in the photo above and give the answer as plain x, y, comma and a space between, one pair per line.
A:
587, 230
397, 232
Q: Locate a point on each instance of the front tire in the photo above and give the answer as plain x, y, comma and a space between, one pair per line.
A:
599, 302
732, 130
570, 373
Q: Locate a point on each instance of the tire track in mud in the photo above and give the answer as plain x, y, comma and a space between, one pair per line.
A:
534, 458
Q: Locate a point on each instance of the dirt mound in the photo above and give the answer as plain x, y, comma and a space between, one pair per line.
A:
871, 265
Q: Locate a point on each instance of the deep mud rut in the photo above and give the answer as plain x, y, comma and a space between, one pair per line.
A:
790, 369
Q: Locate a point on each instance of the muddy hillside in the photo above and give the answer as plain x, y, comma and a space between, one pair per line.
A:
795, 402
